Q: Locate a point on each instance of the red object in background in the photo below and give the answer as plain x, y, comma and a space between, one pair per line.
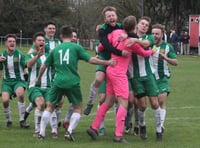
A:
194, 30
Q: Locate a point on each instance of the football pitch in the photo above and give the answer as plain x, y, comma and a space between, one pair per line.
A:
182, 125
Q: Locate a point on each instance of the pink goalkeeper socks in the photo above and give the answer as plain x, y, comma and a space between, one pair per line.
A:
99, 116
120, 119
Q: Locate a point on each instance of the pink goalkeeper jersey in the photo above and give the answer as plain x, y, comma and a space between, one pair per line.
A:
122, 62
117, 81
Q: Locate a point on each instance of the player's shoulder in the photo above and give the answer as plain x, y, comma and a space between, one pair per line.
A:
148, 36
69, 45
106, 26
165, 44
18, 51
119, 25
56, 40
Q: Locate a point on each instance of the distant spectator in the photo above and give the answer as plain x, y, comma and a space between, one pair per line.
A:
185, 38
174, 39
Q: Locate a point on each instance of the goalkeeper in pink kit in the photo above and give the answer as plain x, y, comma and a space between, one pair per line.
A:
117, 81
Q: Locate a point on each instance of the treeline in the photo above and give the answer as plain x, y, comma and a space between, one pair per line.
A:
30, 15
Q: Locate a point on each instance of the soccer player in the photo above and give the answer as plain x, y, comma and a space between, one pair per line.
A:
74, 36
67, 81
38, 92
117, 81
70, 109
164, 55
13, 64
50, 43
144, 79
132, 110
110, 18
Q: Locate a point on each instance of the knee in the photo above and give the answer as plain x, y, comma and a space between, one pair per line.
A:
41, 106
142, 108
20, 96
154, 105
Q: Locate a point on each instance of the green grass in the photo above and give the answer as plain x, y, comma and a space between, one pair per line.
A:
182, 122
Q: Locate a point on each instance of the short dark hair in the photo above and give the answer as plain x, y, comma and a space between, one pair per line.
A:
148, 19
74, 30
10, 36
129, 23
36, 35
49, 23
66, 31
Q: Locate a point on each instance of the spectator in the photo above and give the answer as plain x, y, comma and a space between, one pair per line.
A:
174, 39
185, 41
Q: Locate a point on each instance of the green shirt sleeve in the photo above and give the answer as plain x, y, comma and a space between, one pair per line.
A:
83, 55
171, 53
150, 38
49, 60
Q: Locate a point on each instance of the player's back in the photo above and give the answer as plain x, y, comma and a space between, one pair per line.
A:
65, 61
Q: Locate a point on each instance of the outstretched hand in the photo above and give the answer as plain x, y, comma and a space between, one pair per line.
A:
2, 58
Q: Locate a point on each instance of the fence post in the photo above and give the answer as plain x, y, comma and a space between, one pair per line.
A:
91, 45
20, 40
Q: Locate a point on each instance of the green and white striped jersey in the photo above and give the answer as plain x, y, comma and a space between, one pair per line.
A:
34, 71
51, 44
13, 66
143, 66
160, 65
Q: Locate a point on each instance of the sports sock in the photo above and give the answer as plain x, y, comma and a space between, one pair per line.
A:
37, 117
69, 113
75, 118
7, 113
129, 115
44, 121
141, 116
92, 94
162, 116
53, 122
21, 108
100, 116
58, 112
29, 108
120, 119
157, 118
136, 116
102, 125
